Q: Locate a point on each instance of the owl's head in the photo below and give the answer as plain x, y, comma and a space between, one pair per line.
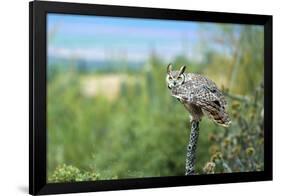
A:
175, 78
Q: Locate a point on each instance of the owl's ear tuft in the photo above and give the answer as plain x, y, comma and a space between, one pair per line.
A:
169, 68
182, 69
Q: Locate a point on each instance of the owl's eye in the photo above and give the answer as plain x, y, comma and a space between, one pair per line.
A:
180, 77
170, 78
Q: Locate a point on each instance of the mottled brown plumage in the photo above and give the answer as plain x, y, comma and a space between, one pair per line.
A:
199, 95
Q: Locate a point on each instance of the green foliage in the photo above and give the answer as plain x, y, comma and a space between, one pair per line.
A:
136, 129
240, 148
68, 173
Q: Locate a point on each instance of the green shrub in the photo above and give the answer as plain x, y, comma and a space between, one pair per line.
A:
240, 148
69, 173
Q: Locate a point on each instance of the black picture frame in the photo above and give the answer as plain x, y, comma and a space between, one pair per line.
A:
37, 97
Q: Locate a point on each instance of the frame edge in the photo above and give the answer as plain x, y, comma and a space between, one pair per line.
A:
268, 98
37, 183
31, 163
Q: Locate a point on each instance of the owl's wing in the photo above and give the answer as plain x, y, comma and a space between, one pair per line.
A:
198, 94
208, 97
213, 104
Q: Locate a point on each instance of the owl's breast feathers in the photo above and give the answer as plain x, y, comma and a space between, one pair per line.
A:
201, 95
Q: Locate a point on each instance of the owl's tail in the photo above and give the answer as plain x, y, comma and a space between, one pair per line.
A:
217, 113
222, 119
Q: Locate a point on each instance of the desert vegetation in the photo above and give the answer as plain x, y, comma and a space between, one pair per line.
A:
121, 122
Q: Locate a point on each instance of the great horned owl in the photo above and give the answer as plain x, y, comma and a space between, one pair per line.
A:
199, 95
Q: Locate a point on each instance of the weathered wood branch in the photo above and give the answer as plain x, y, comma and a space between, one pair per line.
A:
191, 148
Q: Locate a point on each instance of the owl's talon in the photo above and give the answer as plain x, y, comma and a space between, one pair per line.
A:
192, 119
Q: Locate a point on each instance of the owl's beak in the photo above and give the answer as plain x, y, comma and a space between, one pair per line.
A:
171, 85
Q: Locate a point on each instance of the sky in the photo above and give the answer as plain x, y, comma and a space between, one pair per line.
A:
100, 38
